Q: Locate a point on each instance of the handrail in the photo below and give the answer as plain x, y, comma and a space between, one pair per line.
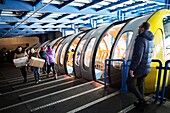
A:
123, 70
164, 81
125, 75
159, 78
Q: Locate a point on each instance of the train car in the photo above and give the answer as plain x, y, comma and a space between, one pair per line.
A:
56, 47
126, 39
160, 26
62, 50
93, 50
79, 54
122, 47
70, 53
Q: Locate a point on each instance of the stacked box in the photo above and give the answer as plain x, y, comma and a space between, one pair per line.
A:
36, 62
19, 62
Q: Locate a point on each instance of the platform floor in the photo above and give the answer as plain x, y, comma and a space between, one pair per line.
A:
65, 95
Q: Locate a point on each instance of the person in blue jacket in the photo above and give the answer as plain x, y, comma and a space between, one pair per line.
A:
140, 64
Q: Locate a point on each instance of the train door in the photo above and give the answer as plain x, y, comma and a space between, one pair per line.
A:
97, 49
79, 54
87, 60
104, 48
63, 52
70, 54
56, 47
166, 25
123, 47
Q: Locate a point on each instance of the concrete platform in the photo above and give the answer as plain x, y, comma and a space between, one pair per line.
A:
66, 94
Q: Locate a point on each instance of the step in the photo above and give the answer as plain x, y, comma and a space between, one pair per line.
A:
20, 81
9, 88
72, 102
14, 98
53, 89
61, 94
114, 104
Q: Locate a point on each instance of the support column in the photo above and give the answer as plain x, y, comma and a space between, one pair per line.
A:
63, 31
120, 15
168, 4
75, 28
93, 23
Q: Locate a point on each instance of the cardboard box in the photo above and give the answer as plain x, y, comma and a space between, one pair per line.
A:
19, 62
36, 62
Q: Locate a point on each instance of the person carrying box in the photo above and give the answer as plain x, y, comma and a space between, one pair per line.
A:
19, 53
36, 70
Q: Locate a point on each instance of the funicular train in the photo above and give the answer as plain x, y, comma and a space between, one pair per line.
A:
83, 54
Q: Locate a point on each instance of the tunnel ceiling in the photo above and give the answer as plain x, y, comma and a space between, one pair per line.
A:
30, 17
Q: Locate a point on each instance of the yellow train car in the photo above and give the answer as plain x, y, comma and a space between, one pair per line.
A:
160, 27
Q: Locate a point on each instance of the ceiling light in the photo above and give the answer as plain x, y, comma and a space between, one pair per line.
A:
84, 1
76, 4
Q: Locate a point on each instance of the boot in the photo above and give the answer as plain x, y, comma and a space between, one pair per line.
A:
47, 75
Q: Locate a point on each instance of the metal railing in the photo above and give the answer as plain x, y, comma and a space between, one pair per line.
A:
123, 89
125, 70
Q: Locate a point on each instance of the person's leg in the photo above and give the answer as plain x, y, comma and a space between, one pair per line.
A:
53, 67
54, 70
140, 84
48, 70
35, 73
38, 73
44, 68
132, 88
24, 73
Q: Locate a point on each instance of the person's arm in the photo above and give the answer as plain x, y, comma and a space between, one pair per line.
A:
137, 55
15, 56
38, 55
25, 54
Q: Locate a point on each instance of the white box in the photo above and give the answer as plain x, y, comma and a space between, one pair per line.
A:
19, 62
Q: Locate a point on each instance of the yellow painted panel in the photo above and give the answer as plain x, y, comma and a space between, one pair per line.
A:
156, 27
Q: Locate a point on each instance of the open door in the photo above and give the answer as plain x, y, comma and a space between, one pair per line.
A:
70, 54
78, 55
64, 52
123, 48
96, 49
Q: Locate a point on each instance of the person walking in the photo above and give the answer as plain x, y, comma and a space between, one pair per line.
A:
140, 64
43, 56
50, 58
36, 70
20, 52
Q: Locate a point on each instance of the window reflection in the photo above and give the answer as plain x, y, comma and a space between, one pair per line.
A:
103, 51
78, 52
57, 53
63, 53
88, 52
166, 25
121, 48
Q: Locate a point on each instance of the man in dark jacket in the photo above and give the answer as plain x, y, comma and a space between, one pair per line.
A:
140, 65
